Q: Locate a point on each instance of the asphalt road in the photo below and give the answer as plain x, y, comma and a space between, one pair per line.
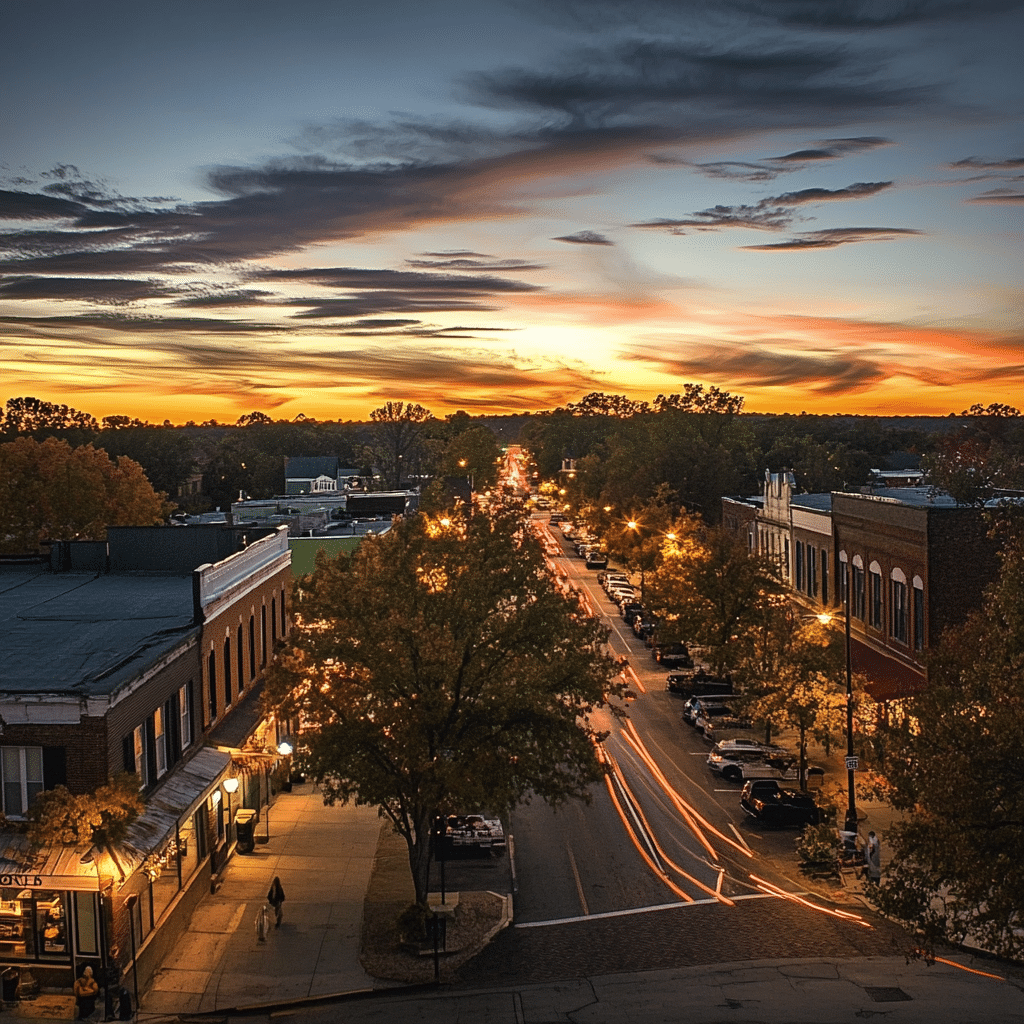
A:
660, 869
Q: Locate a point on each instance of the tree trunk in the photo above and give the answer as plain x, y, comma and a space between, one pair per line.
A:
419, 858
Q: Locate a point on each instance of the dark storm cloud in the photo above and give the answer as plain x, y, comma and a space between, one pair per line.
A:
585, 238
88, 289
829, 238
758, 366
865, 14
771, 214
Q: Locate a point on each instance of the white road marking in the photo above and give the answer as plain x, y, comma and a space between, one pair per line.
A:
641, 910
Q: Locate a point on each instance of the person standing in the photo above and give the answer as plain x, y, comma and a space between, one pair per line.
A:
275, 897
873, 859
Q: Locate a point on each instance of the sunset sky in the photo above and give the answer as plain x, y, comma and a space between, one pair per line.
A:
210, 208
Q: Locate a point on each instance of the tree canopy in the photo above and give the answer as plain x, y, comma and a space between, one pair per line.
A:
49, 490
955, 768
438, 670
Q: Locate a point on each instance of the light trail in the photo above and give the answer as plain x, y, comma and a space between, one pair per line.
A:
686, 809
636, 679
648, 860
969, 970
774, 890
716, 893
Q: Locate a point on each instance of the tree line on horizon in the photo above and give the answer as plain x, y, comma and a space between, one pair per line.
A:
699, 443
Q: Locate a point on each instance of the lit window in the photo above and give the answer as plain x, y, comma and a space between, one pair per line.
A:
159, 742
876, 595
139, 754
185, 706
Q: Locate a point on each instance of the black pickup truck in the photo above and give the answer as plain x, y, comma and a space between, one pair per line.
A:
767, 802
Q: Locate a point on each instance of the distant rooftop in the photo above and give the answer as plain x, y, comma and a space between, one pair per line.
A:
814, 502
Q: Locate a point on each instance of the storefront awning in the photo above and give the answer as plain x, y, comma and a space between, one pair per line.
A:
89, 868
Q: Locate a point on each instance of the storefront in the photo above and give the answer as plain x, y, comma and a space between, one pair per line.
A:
65, 908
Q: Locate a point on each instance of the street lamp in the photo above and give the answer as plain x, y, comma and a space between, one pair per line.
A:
851, 760
131, 901
230, 787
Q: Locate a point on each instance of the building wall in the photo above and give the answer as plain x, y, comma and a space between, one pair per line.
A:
84, 745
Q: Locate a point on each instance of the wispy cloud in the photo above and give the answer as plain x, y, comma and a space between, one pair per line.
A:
999, 196
585, 238
829, 238
771, 214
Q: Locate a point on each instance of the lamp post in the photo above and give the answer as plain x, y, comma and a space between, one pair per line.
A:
851, 759
230, 787
130, 903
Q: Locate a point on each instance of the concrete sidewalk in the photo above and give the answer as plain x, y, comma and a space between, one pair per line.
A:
324, 857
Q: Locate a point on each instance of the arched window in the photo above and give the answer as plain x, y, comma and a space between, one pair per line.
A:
273, 620
857, 579
211, 684
898, 605
918, 614
252, 646
227, 672
875, 594
239, 652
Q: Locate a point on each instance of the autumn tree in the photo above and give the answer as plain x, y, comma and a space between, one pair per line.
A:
398, 430
49, 490
59, 817
437, 670
955, 769
32, 417
792, 669
473, 452
712, 590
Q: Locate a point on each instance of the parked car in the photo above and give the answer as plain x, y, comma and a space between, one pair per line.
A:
769, 803
644, 626
607, 579
662, 650
473, 832
729, 758
597, 560
630, 610
713, 715
676, 661
698, 684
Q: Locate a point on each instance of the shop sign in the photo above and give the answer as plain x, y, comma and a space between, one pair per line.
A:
21, 881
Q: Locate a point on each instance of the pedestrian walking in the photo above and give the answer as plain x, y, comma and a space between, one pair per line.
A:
275, 897
873, 859
263, 923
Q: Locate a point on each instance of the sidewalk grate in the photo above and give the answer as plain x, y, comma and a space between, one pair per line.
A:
887, 995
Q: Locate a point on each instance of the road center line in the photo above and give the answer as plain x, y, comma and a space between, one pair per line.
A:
638, 910
576, 875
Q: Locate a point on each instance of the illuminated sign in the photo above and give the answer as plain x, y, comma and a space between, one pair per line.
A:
21, 881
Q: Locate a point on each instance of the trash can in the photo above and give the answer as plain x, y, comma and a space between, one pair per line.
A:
245, 830
10, 980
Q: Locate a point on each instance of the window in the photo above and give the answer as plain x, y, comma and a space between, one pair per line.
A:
139, 755
811, 571
918, 614
875, 574
857, 580
898, 610
844, 579
252, 646
799, 572
241, 662
284, 621
263, 635
159, 742
185, 711
824, 576
22, 771
211, 681
273, 620
227, 673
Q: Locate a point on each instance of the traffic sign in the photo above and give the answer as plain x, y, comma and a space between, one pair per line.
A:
852, 763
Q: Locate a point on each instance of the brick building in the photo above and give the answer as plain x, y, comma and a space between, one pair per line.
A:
107, 669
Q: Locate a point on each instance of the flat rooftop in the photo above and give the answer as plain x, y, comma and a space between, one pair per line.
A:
83, 634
